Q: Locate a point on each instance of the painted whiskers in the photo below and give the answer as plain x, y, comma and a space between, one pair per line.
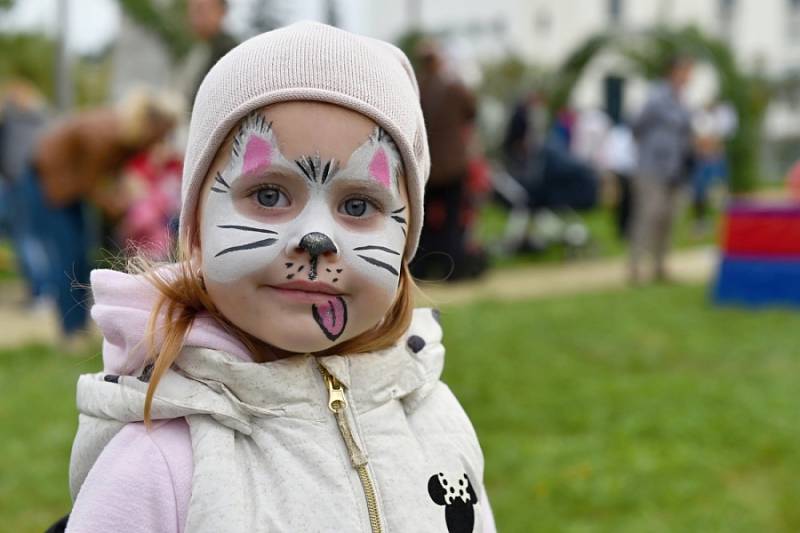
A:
269, 241
332, 250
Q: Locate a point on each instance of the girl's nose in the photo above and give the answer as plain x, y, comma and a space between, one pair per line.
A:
317, 244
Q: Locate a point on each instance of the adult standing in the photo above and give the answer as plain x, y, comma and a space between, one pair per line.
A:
523, 134
449, 109
23, 112
77, 161
206, 19
713, 126
663, 131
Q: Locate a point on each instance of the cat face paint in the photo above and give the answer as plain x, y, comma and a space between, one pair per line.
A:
304, 253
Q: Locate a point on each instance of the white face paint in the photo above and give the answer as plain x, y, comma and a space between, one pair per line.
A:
318, 243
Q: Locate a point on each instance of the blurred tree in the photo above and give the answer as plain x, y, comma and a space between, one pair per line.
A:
568, 74
408, 43
509, 79
30, 57
165, 18
649, 53
92, 77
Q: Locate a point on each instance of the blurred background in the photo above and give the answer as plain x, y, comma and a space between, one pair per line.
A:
612, 234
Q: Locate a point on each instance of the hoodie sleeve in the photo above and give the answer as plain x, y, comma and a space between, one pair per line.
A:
141, 483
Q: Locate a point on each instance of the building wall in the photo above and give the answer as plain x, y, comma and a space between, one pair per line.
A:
764, 35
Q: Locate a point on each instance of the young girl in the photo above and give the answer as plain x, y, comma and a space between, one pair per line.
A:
276, 378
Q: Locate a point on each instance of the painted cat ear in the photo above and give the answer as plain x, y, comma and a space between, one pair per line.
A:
379, 168
257, 155
253, 144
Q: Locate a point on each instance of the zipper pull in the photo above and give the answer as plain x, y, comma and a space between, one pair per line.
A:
336, 398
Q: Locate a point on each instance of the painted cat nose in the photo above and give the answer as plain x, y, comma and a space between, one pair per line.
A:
317, 244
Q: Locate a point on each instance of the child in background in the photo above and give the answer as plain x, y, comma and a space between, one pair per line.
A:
276, 377
153, 184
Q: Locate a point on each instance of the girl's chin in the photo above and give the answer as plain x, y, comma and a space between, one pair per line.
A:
288, 349
308, 337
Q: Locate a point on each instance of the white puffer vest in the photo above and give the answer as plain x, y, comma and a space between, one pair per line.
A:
371, 442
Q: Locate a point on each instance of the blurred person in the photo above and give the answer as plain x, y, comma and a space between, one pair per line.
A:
619, 159
205, 19
563, 128
152, 184
663, 132
23, 112
449, 109
75, 162
712, 126
589, 136
523, 133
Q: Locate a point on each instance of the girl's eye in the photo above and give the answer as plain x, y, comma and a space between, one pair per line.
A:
357, 207
271, 197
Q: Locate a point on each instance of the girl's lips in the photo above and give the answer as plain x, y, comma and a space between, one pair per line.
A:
309, 286
313, 292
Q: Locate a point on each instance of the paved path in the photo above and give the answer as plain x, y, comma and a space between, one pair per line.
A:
518, 283
695, 265
21, 326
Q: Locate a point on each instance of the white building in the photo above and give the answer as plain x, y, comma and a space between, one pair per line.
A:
763, 34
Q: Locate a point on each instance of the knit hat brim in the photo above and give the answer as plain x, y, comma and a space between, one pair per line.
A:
374, 79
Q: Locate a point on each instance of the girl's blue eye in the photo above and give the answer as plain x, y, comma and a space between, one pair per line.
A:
357, 207
271, 197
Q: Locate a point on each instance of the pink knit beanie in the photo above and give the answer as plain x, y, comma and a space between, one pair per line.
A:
310, 61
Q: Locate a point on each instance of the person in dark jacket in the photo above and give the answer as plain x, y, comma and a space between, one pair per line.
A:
449, 108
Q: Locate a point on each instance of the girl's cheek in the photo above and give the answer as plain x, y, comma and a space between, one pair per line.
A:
233, 245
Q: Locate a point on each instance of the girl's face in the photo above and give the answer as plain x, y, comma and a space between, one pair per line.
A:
303, 226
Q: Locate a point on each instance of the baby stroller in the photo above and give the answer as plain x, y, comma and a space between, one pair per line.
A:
545, 194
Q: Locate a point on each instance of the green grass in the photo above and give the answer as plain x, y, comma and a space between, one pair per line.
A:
630, 411
642, 411
39, 419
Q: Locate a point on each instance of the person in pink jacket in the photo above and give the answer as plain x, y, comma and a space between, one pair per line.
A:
276, 377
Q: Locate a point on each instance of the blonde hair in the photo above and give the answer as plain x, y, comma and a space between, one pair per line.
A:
140, 105
182, 297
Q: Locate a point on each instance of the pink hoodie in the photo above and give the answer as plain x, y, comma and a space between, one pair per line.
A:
115, 495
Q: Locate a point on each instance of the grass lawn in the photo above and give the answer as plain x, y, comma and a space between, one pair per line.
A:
642, 411
636, 411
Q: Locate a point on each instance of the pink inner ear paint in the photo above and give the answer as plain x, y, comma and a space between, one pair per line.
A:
257, 155
379, 168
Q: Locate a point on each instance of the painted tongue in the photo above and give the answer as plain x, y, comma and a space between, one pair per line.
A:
331, 316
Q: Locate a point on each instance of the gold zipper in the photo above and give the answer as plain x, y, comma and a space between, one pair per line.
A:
337, 403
